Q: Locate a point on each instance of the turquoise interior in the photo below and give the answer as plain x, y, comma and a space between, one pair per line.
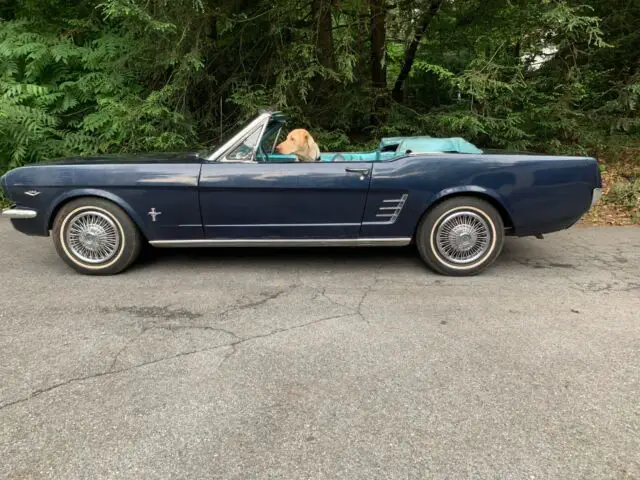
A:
391, 147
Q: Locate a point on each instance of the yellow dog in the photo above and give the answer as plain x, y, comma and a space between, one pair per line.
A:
300, 143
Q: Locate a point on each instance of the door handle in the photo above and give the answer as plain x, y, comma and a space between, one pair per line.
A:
361, 171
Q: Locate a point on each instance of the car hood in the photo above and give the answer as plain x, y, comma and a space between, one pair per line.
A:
159, 157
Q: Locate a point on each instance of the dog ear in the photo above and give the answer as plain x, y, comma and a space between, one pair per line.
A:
314, 150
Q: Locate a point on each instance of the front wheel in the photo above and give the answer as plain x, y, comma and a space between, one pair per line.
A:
96, 237
461, 236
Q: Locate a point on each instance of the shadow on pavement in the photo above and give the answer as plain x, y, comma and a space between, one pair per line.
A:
318, 257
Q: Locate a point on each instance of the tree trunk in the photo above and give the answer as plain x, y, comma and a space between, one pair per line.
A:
378, 11
321, 12
410, 54
378, 43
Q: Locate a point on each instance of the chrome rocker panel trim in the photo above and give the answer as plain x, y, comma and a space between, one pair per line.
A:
303, 242
20, 213
248, 225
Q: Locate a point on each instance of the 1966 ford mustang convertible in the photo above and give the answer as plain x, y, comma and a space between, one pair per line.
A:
453, 201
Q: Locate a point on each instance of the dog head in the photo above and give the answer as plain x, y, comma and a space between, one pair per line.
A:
300, 143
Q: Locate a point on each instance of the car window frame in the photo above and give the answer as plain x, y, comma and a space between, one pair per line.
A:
262, 122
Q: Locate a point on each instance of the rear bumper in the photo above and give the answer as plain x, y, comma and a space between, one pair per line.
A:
19, 213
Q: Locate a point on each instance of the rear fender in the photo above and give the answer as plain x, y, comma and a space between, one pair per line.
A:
488, 194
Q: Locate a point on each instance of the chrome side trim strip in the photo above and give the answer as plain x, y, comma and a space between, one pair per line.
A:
281, 242
285, 225
21, 213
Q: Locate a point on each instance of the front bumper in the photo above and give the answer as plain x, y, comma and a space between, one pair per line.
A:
19, 213
27, 221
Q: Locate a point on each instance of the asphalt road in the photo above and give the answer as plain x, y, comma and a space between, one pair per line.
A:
243, 364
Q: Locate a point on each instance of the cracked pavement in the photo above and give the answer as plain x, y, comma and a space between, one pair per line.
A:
336, 363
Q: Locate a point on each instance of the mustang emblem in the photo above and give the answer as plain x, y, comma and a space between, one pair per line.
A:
32, 193
153, 214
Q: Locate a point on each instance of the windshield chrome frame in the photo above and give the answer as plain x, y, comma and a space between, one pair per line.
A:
260, 120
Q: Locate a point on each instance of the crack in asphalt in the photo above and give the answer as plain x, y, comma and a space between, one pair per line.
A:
614, 263
256, 303
357, 310
618, 266
124, 347
109, 372
234, 347
360, 303
324, 295
170, 328
167, 313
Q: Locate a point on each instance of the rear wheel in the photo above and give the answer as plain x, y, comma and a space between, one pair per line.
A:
461, 237
96, 237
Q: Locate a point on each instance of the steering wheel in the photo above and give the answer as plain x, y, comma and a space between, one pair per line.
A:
261, 151
261, 156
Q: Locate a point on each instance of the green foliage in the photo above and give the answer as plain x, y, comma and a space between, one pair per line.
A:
4, 202
626, 194
129, 75
61, 96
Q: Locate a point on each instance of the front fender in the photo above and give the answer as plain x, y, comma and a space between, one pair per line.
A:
93, 192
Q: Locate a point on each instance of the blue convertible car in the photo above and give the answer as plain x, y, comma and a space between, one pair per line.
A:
455, 202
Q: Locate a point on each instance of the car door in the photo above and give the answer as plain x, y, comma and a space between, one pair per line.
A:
241, 198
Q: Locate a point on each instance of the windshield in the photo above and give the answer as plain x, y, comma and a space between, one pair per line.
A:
222, 139
271, 136
267, 142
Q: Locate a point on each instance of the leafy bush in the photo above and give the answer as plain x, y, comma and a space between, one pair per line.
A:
626, 194
132, 75
71, 89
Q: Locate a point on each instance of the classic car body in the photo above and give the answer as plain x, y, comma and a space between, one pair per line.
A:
244, 194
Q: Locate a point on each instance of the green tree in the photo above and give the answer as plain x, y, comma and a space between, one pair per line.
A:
132, 75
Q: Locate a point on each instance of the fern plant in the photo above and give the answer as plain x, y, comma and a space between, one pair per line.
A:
60, 96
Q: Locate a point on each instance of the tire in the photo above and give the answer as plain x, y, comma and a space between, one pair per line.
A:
460, 237
96, 237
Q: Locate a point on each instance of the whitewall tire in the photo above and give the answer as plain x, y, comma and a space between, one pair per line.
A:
460, 237
96, 237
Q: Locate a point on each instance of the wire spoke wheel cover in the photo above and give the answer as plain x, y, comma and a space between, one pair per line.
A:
93, 237
460, 236
463, 237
